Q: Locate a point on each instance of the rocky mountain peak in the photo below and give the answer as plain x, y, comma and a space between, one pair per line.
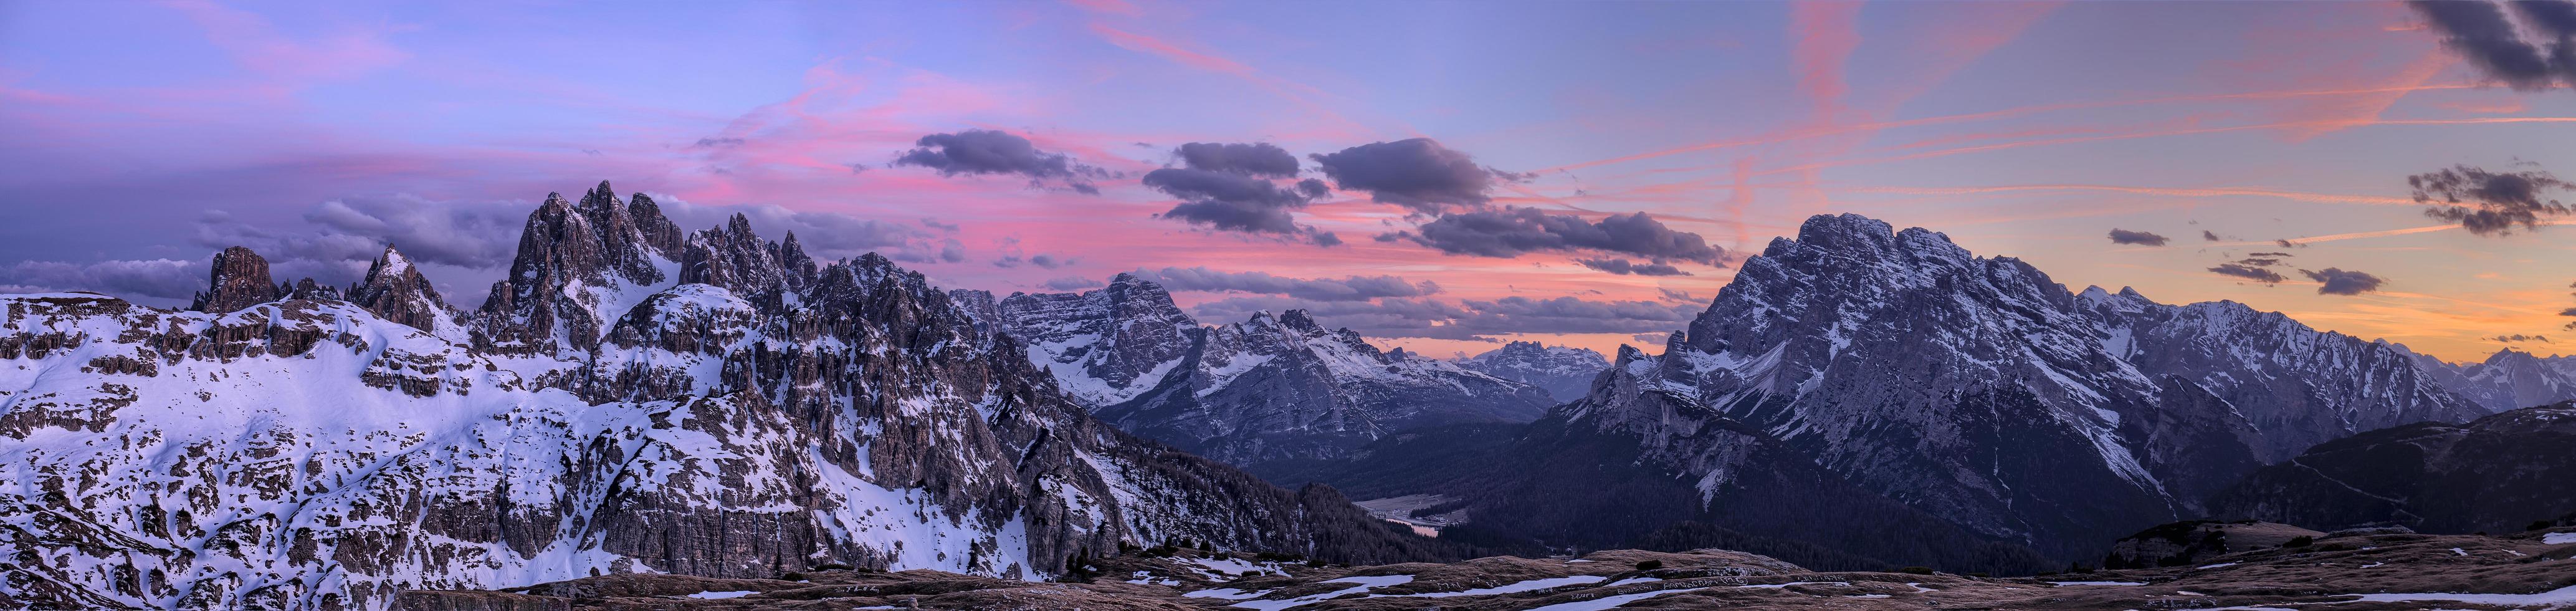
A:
1933, 347
1104, 345
239, 280
1298, 319
578, 268
395, 291
800, 266
734, 257
658, 230
1564, 372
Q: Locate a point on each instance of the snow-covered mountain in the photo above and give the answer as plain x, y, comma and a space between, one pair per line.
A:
631, 400
1269, 388
2508, 379
1106, 345
1565, 372
1282, 388
1980, 391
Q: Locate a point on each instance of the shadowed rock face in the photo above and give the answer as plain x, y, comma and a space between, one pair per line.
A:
770, 414
240, 280
2497, 474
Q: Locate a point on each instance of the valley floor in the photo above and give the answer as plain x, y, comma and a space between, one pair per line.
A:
2374, 572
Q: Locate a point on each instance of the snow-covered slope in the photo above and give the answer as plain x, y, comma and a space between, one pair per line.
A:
747, 414
1565, 372
1980, 391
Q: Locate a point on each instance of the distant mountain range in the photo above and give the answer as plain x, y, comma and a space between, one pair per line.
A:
1271, 389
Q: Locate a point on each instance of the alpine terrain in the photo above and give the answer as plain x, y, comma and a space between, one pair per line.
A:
1255, 393
1565, 372
632, 399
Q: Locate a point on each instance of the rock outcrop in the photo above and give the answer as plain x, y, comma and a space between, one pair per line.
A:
394, 290
239, 280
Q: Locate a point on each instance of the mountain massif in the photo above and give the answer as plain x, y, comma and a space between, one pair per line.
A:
631, 399
1565, 372
1271, 389
1857, 376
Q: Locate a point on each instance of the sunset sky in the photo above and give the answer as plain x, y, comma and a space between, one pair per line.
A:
141, 137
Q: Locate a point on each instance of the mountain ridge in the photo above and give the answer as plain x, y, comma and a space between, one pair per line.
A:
630, 400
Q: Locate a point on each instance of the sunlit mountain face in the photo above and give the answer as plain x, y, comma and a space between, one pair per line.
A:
1172, 305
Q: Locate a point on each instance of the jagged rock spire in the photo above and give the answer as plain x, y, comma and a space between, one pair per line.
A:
394, 290
665, 236
574, 263
239, 280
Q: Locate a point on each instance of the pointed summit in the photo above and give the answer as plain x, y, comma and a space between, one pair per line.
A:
239, 280
394, 290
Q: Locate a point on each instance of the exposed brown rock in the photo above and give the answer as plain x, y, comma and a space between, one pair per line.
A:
239, 280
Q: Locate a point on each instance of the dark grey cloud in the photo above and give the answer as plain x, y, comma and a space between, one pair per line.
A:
936, 224
1349, 288
2210, 236
167, 279
1467, 319
719, 142
1071, 283
1511, 232
1624, 267
1418, 174
988, 152
1255, 159
2248, 272
2518, 338
1044, 261
2269, 254
2489, 203
2343, 282
2258, 261
1239, 188
2285, 243
2480, 32
2124, 236
1680, 296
